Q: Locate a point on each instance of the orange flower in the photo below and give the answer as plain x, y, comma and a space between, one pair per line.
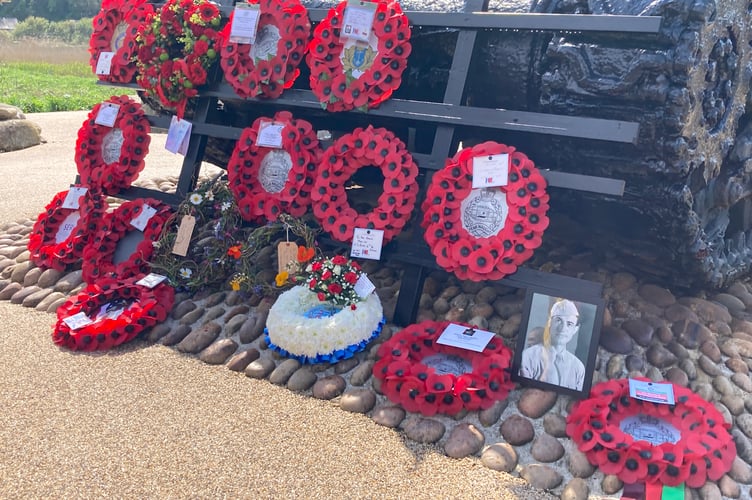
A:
234, 251
305, 254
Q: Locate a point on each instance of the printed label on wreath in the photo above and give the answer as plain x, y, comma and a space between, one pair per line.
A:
287, 253
357, 57
364, 287
484, 212
367, 243
651, 391
74, 194
465, 337
77, 321
118, 36
151, 280
651, 429
358, 20
245, 20
178, 136
107, 114
183, 236
270, 134
104, 63
490, 171
112, 146
274, 169
143, 218
447, 364
67, 227
267, 41
112, 310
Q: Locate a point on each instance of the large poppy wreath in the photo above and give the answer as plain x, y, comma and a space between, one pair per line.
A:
485, 233
347, 74
118, 311
110, 158
101, 259
115, 29
641, 441
362, 148
269, 65
268, 181
428, 378
176, 49
60, 234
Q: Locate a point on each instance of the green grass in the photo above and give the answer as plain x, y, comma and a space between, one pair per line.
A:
41, 86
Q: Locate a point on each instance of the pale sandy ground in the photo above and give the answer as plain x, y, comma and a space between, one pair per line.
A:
147, 422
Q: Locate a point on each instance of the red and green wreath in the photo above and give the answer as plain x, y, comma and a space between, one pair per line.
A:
115, 29
110, 158
119, 311
99, 259
484, 234
176, 49
406, 367
362, 148
267, 181
60, 234
269, 65
704, 450
349, 75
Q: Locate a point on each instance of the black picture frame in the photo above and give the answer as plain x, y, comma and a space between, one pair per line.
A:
584, 346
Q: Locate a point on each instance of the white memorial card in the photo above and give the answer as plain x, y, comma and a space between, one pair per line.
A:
367, 243
151, 280
245, 20
465, 337
178, 136
651, 391
78, 320
364, 287
104, 63
490, 171
270, 134
140, 221
71, 199
107, 114
358, 20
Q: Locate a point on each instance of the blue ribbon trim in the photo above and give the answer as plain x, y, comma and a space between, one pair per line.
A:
332, 357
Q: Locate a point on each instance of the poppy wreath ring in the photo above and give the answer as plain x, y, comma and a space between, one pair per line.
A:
406, 369
110, 158
60, 234
362, 148
99, 259
115, 29
119, 312
269, 181
703, 449
270, 64
485, 233
346, 74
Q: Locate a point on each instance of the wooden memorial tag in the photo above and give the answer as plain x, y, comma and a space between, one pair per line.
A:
287, 252
183, 238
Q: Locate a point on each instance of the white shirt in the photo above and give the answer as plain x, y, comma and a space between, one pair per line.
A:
547, 365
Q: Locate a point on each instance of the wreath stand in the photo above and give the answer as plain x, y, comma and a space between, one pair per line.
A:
446, 117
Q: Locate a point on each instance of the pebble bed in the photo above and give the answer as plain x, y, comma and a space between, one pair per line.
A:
703, 341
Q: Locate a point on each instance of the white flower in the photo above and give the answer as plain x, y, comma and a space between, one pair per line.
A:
185, 272
225, 206
196, 198
337, 270
210, 196
155, 244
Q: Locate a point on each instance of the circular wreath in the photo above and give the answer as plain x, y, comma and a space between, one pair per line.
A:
300, 326
119, 312
484, 234
269, 65
115, 29
176, 49
99, 254
60, 234
269, 181
704, 449
362, 148
346, 74
465, 379
110, 158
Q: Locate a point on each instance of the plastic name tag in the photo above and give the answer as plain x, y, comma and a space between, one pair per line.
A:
364, 287
465, 337
151, 280
651, 391
270, 134
143, 218
178, 136
367, 243
107, 114
77, 321
104, 63
245, 20
358, 20
489, 171
74, 194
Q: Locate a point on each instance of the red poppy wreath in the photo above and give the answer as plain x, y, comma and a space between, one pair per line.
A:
269, 65
104, 254
267, 181
348, 74
176, 49
110, 158
429, 378
115, 29
60, 234
485, 233
641, 441
114, 312
362, 148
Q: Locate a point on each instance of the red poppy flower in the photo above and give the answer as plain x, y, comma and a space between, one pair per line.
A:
234, 251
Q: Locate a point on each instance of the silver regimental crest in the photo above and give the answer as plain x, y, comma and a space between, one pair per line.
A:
112, 145
445, 364
118, 37
274, 169
484, 212
265, 47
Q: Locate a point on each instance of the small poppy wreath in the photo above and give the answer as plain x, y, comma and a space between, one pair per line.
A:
349, 75
176, 49
60, 234
362, 148
115, 29
484, 234
269, 65
266, 181
99, 253
704, 450
110, 158
408, 377
120, 310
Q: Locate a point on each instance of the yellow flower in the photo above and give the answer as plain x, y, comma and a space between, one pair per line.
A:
235, 285
281, 278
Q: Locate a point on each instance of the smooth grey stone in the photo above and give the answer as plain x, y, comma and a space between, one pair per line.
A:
22, 294
193, 316
744, 423
345, 365
576, 489
218, 352
464, 440
578, 464
737, 365
362, 373
32, 277
358, 400
659, 356
743, 445
302, 380
689, 368
10, 290
18, 273
657, 295
260, 368
253, 327
679, 312
634, 363
741, 471
733, 403
534, 403
710, 491
424, 430
611, 484
49, 299
615, 367
176, 335
555, 425
242, 359
36, 298
729, 301
234, 324
729, 488
678, 350
517, 430
180, 309
500, 457
55, 304
156, 333
723, 385
677, 376
541, 476
329, 387
491, 415
284, 371
711, 350
199, 339
639, 330
547, 448
215, 299
616, 340
742, 381
708, 366
236, 311
388, 416
214, 313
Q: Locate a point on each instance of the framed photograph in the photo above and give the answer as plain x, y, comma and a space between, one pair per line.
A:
558, 342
